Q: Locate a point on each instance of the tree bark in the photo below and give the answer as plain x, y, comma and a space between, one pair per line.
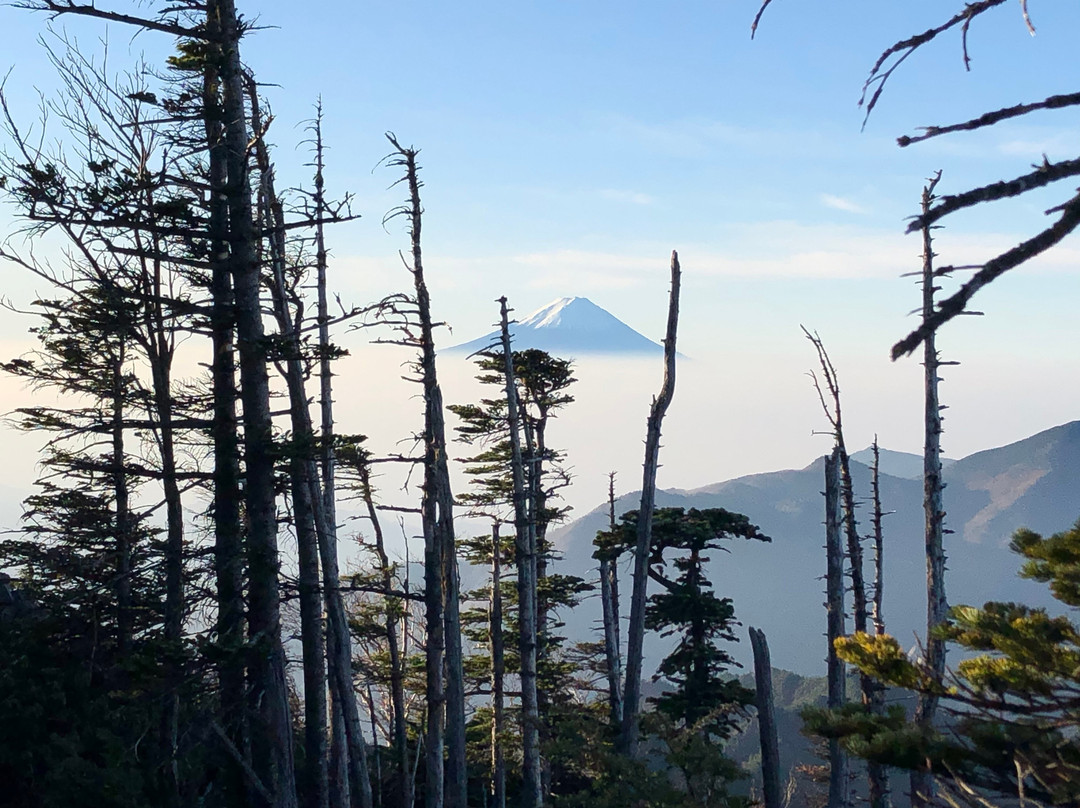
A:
770, 748
440, 543
834, 604
313, 647
877, 774
228, 546
628, 738
393, 645
121, 494
609, 596
525, 547
339, 780
498, 670
937, 607
274, 760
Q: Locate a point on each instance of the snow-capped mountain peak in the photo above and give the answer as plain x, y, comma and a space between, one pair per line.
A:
551, 315
570, 326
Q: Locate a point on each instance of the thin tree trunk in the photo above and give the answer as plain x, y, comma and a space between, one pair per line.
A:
338, 766
877, 774
609, 596
440, 544
301, 469
498, 670
770, 748
834, 604
937, 606
397, 673
531, 459
338, 769
628, 738
124, 631
375, 743
525, 547
274, 761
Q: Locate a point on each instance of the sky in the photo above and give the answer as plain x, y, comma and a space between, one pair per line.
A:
568, 147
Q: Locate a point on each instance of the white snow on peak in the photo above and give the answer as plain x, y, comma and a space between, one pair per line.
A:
550, 315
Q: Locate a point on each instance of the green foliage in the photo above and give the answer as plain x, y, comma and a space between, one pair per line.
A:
1014, 699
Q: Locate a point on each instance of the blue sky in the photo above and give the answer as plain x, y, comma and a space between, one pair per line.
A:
569, 146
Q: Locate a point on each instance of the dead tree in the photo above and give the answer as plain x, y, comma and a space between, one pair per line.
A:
628, 736
609, 596
834, 605
394, 613
525, 547
937, 606
289, 322
1043, 175
877, 775
770, 749
446, 698
830, 404
316, 536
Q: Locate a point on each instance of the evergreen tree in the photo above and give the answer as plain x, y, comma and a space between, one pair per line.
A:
1012, 700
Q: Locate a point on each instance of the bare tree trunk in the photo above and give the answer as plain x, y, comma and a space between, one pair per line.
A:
609, 596
531, 460
339, 780
770, 748
274, 760
868, 688
498, 670
397, 673
834, 604
338, 768
440, 542
877, 774
937, 607
375, 743
525, 545
228, 546
628, 738
301, 469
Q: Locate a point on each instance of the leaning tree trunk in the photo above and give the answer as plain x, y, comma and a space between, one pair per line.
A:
628, 737
525, 546
308, 490
313, 647
937, 606
274, 757
609, 596
770, 748
834, 604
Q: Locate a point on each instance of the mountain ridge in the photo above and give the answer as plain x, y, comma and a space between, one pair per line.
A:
988, 495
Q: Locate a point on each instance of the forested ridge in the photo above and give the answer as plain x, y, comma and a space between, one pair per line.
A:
177, 627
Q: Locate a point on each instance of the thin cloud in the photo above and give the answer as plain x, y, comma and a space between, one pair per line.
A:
841, 203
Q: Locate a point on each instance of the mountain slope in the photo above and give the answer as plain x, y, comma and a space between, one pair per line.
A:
778, 587
570, 326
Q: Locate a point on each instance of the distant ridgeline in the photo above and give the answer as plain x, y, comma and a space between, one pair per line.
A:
778, 588
568, 327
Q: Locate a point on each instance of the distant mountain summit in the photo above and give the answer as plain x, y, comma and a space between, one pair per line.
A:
569, 326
